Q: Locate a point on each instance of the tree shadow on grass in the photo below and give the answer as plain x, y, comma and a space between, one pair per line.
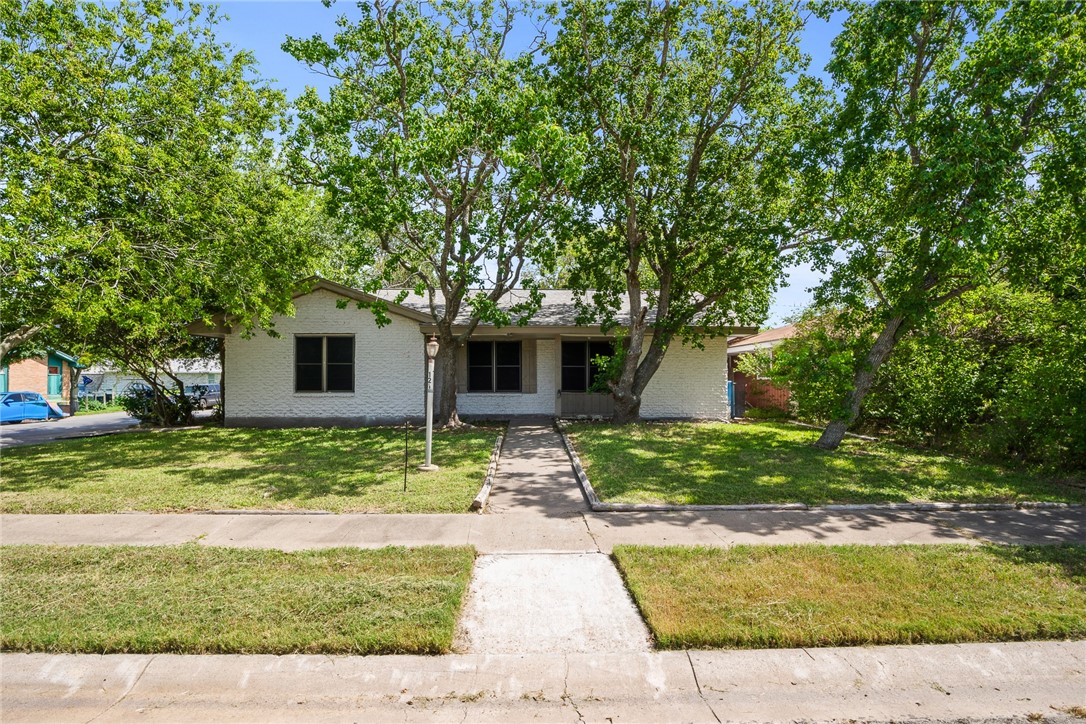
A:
275, 467
691, 463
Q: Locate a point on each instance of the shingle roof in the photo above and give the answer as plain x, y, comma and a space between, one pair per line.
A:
559, 308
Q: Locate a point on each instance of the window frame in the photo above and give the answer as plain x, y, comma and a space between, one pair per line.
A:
324, 364
493, 366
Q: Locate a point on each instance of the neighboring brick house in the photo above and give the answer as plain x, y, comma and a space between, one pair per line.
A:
49, 375
752, 391
331, 364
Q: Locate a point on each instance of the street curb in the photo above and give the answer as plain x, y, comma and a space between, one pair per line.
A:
599, 506
479, 504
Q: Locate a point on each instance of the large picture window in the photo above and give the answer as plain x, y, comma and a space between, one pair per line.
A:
324, 364
494, 366
578, 371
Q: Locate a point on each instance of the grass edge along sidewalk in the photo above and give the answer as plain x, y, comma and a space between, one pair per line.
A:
668, 464
818, 595
212, 468
194, 599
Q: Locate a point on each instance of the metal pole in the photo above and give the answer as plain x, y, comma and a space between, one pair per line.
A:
406, 430
427, 465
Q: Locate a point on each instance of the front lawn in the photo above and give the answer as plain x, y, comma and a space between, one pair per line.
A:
721, 463
341, 470
814, 595
197, 600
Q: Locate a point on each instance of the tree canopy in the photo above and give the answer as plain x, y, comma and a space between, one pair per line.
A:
438, 146
952, 158
691, 112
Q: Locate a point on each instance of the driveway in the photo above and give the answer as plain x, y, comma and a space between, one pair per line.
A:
29, 433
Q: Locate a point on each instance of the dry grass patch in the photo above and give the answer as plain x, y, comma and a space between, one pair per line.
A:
814, 595
198, 600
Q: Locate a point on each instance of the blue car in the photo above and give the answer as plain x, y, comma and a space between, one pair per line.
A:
19, 406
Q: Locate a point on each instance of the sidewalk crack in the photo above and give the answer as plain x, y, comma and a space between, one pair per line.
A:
588, 527
566, 696
127, 691
698, 684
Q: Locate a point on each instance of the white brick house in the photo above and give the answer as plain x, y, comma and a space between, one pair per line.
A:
331, 364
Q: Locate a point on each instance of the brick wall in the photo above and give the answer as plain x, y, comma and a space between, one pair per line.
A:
507, 404
29, 375
389, 375
389, 372
763, 394
689, 383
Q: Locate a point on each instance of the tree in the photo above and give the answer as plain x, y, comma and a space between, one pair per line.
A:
137, 187
955, 120
440, 148
691, 116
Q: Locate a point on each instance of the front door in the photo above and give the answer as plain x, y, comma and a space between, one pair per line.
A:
577, 398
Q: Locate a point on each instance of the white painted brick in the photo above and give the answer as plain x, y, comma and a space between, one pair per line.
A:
389, 374
690, 383
505, 404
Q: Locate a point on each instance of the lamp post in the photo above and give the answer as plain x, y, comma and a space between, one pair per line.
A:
431, 354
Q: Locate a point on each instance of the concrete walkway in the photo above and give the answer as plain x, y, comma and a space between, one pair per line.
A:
978, 682
531, 532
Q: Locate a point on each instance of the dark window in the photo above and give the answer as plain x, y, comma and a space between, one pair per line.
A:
493, 366
324, 364
579, 372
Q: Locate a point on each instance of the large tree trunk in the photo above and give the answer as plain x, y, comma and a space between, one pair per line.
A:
861, 383
17, 337
638, 372
446, 415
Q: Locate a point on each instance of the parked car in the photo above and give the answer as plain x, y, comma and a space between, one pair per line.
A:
19, 406
204, 396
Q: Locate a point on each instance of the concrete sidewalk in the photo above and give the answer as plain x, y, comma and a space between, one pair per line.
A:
531, 532
989, 682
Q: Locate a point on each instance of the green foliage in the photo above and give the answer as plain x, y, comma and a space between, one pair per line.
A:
137, 187
442, 153
996, 373
953, 159
691, 112
817, 366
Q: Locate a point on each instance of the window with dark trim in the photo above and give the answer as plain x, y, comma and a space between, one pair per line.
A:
494, 366
578, 371
324, 363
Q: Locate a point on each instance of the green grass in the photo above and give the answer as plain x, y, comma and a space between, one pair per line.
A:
198, 600
99, 411
341, 470
720, 463
813, 595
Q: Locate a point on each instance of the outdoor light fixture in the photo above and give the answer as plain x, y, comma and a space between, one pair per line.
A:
432, 348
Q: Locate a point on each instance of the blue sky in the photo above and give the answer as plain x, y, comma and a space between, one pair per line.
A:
261, 26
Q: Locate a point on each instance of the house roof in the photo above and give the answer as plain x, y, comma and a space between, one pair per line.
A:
762, 340
558, 310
